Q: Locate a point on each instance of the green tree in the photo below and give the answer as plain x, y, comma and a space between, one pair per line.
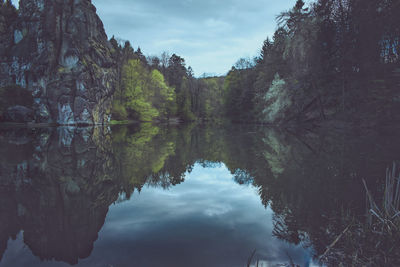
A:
164, 99
136, 92
144, 94
184, 101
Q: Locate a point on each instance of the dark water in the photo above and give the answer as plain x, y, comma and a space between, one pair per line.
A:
185, 195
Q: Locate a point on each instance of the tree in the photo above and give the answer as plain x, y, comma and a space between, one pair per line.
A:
183, 100
243, 63
299, 5
176, 71
266, 50
164, 61
144, 94
136, 91
140, 56
164, 99
154, 62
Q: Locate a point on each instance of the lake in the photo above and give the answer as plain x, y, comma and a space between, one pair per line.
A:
188, 195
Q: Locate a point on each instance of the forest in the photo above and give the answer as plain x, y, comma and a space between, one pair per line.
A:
162, 88
332, 60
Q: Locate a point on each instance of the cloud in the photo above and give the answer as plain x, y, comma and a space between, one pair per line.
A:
211, 35
208, 220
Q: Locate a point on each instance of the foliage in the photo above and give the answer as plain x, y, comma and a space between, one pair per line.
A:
238, 94
184, 100
165, 98
162, 88
144, 95
137, 93
210, 100
274, 109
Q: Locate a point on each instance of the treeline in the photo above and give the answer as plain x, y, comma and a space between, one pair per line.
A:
161, 88
334, 59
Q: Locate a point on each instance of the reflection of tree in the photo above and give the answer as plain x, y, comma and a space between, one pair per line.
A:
243, 177
57, 185
142, 156
312, 181
286, 228
317, 192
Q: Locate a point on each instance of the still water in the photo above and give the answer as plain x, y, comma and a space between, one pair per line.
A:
184, 195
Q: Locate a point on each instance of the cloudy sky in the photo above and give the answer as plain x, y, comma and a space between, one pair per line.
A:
210, 34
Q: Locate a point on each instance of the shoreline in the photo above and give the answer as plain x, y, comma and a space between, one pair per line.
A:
55, 125
338, 125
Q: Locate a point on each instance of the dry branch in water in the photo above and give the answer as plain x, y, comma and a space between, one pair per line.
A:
388, 214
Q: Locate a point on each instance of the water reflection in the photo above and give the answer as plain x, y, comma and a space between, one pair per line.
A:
55, 190
185, 195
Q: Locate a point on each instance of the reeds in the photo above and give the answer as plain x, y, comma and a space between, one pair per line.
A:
386, 216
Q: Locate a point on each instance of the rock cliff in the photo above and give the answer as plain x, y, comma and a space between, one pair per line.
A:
58, 50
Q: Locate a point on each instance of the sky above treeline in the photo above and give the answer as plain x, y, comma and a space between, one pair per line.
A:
210, 34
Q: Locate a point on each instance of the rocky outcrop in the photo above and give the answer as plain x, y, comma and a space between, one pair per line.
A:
58, 50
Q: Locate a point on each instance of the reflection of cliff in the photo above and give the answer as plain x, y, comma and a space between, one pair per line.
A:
56, 186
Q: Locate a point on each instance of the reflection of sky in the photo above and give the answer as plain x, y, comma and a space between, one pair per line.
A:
208, 220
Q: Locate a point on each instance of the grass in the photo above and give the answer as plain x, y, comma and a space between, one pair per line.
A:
373, 242
385, 217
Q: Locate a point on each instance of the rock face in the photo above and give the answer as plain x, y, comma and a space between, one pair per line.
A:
58, 50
